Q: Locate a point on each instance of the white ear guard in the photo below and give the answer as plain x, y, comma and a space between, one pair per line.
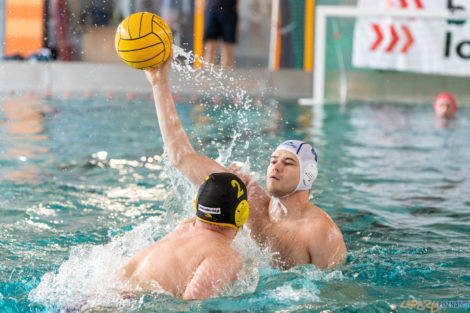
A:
307, 158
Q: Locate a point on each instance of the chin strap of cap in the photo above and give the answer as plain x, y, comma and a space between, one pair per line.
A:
277, 202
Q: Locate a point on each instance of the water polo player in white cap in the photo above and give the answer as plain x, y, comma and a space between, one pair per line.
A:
285, 220
295, 230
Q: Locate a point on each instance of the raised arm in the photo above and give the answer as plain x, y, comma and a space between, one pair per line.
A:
180, 152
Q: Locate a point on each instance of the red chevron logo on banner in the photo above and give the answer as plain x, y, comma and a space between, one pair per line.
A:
404, 4
379, 39
409, 39
395, 38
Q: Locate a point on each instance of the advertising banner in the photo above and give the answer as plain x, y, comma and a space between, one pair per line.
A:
434, 46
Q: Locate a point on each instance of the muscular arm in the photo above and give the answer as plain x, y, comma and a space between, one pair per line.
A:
180, 152
258, 220
212, 275
258, 199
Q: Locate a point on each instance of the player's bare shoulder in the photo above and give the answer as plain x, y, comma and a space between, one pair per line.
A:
316, 223
323, 239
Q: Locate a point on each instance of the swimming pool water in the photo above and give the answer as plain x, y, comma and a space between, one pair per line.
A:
84, 185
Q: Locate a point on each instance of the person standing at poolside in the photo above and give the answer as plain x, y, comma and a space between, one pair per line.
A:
220, 22
283, 219
196, 261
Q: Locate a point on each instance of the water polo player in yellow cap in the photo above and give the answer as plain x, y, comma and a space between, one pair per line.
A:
283, 219
196, 261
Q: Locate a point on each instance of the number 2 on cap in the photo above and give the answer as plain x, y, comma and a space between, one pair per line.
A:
240, 191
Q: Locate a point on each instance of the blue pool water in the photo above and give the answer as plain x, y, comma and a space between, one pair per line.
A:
84, 185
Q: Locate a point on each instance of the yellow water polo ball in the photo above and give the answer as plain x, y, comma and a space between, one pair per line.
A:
143, 40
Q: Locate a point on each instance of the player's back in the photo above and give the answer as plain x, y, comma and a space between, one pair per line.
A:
170, 263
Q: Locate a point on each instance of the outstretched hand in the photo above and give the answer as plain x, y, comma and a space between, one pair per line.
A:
234, 168
257, 197
160, 74
255, 192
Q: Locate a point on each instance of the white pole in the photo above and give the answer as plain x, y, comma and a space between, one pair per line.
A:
273, 34
320, 58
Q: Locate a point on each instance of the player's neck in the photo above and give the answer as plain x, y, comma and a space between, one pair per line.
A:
295, 204
226, 232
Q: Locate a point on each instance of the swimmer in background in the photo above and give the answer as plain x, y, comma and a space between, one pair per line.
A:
196, 261
445, 105
282, 219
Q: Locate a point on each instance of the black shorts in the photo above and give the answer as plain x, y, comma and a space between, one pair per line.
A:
220, 24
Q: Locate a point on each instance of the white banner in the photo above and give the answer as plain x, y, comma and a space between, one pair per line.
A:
435, 46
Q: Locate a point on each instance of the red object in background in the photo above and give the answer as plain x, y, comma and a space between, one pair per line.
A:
409, 39
419, 4
446, 96
62, 18
404, 4
394, 39
216, 99
379, 39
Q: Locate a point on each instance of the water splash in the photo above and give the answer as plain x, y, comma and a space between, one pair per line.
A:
254, 258
238, 110
89, 278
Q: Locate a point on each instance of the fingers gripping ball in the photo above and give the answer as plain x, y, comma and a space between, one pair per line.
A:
143, 40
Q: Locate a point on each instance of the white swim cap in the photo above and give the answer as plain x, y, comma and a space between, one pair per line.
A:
307, 159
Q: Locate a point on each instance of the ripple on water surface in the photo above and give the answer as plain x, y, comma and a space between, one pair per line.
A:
84, 192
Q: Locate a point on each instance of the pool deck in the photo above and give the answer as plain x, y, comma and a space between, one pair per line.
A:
76, 78
59, 78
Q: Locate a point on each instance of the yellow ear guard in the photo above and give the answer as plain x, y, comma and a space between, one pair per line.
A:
241, 213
